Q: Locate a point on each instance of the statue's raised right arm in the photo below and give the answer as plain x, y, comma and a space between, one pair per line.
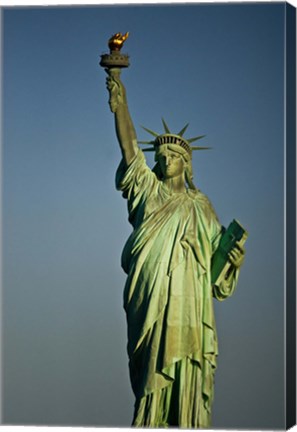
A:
118, 104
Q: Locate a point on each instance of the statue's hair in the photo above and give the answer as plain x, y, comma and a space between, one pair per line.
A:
189, 176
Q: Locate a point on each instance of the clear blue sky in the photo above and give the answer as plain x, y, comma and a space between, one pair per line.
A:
218, 67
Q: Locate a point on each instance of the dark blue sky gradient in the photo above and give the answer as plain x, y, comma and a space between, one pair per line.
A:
218, 67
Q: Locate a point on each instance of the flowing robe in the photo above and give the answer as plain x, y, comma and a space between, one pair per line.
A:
168, 299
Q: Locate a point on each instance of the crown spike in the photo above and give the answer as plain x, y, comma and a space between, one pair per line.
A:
149, 149
166, 128
200, 148
146, 142
183, 130
150, 131
190, 140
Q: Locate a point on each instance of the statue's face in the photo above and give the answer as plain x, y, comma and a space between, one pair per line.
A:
172, 164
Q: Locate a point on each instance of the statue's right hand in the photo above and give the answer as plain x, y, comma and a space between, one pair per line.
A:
117, 94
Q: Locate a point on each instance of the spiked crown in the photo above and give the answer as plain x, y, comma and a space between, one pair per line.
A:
173, 139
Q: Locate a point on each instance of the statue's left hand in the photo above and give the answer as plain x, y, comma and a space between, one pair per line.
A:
236, 256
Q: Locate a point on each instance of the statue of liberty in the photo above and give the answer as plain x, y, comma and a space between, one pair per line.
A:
168, 296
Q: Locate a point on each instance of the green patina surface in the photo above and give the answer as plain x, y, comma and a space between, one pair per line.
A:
172, 339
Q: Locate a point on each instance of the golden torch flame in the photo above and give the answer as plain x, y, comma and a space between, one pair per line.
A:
116, 41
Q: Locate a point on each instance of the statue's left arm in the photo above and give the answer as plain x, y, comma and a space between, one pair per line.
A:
227, 285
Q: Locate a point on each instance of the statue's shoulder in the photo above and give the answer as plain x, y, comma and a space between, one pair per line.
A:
204, 202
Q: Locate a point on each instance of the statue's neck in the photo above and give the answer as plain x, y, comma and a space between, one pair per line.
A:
176, 184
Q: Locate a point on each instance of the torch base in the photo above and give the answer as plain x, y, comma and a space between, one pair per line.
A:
114, 59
